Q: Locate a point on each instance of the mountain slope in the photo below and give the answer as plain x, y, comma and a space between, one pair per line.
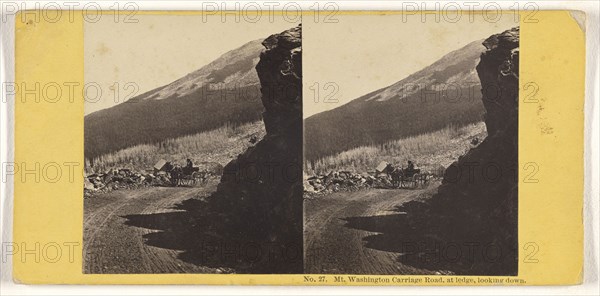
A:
445, 93
225, 91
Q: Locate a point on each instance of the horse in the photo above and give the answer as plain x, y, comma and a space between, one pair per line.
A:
175, 173
402, 177
396, 174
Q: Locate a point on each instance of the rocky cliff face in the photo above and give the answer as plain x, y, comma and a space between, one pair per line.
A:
261, 191
476, 205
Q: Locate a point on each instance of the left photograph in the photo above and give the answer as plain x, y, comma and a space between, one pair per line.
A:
193, 145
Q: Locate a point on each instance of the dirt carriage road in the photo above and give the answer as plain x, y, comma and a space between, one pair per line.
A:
111, 246
331, 245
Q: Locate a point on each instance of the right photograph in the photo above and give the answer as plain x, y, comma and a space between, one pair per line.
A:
411, 144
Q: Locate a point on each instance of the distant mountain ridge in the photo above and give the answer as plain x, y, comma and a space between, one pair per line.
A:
444, 93
234, 68
225, 91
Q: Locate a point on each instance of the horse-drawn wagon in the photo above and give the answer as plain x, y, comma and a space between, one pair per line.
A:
182, 176
405, 178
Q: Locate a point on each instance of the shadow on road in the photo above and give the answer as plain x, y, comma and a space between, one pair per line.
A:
395, 233
205, 239
416, 246
420, 246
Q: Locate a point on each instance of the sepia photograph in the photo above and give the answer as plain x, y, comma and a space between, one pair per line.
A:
294, 147
193, 146
411, 146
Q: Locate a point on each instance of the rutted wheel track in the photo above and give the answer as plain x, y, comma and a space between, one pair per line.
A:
332, 247
111, 246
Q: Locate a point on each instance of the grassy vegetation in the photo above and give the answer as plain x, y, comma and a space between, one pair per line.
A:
218, 145
429, 151
371, 123
138, 122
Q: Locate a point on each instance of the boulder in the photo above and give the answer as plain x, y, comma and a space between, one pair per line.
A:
308, 187
381, 167
87, 184
159, 166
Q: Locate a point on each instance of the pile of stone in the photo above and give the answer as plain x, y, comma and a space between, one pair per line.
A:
345, 181
122, 179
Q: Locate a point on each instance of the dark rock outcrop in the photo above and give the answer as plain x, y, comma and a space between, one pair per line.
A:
476, 206
260, 194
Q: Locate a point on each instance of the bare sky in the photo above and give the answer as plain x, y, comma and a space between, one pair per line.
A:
362, 53
159, 49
